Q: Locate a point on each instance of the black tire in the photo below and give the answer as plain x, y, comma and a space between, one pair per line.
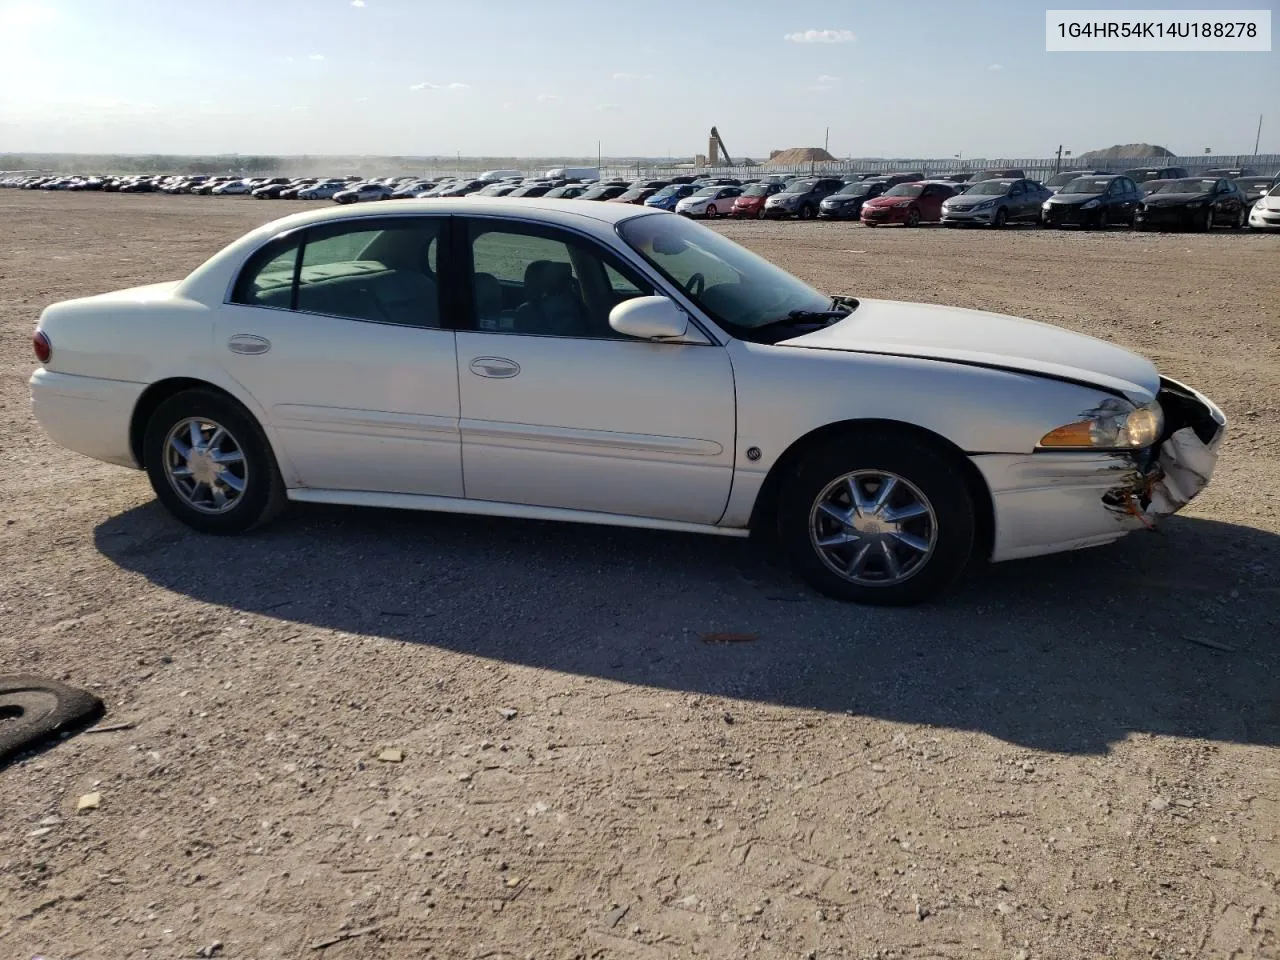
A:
711, 211
1002, 217
263, 496
1207, 225
807, 212
1242, 219
34, 711
930, 470
913, 217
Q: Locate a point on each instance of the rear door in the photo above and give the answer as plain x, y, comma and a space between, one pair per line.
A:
339, 333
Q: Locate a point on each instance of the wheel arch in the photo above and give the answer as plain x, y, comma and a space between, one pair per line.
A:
766, 504
160, 391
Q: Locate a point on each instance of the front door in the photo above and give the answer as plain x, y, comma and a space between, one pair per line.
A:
336, 332
560, 411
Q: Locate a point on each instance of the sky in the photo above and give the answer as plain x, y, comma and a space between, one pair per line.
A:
909, 78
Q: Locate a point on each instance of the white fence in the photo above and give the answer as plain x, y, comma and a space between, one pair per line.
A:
1038, 167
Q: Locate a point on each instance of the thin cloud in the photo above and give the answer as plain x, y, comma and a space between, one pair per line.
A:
424, 85
357, 3
995, 66
827, 79
457, 86
316, 56
821, 36
606, 107
633, 76
549, 97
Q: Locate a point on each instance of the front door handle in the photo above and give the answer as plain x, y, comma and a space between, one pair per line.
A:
248, 344
498, 368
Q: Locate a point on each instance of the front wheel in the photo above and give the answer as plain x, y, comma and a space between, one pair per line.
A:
1242, 219
1207, 225
711, 212
806, 212
913, 217
878, 517
210, 464
1002, 217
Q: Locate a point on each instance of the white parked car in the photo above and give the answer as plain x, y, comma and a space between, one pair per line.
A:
233, 187
323, 191
608, 363
710, 202
1265, 212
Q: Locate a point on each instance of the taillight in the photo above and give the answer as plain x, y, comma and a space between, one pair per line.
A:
41, 344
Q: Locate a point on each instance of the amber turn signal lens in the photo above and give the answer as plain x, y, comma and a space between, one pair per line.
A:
1078, 434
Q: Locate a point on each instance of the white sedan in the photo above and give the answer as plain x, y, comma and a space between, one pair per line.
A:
233, 188
1265, 213
323, 191
710, 202
608, 363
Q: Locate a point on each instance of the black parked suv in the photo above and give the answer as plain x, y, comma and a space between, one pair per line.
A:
1143, 174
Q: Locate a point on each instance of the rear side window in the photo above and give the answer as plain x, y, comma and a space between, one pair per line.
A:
381, 271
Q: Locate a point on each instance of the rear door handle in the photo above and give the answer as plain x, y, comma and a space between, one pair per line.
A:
248, 344
497, 368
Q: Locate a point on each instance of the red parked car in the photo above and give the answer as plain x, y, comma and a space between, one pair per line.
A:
751, 203
909, 203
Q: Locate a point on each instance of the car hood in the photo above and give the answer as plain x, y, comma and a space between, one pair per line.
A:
978, 338
1174, 199
1269, 203
887, 201
965, 200
1072, 199
748, 201
839, 199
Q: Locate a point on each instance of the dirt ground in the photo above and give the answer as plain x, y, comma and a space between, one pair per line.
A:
1069, 757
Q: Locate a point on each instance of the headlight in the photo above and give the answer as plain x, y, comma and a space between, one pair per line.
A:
1089, 204
1114, 424
1046, 205
1260, 205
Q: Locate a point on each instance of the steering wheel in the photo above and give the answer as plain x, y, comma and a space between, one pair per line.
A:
695, 285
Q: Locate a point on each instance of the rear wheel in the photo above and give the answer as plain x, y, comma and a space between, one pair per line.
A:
877, 517
210, 464
913, 217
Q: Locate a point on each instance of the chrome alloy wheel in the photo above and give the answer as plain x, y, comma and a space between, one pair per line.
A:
205, 465
873, 528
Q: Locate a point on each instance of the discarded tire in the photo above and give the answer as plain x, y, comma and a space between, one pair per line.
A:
33, 711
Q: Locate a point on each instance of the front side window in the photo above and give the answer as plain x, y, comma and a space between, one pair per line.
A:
546, 283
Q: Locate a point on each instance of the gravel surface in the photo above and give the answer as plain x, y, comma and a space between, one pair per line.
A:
1068, 757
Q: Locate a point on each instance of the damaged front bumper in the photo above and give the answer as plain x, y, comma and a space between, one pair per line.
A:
1049, 502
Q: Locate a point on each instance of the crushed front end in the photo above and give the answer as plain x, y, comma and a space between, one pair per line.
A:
1167, 476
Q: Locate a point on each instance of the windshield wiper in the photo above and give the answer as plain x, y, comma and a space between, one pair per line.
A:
840, 308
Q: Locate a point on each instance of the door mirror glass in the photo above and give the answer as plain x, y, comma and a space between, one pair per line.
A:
649, 318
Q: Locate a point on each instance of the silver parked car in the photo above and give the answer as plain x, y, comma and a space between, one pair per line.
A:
993, 203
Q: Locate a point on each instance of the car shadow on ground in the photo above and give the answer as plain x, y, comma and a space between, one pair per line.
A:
1165, 633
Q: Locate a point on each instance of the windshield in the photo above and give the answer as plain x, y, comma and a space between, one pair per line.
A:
1086, 185
736, 288
800, 186
988, 188
1062, 179
757, 190
1274, 191
671, 191
854, 190
1188, 186
906, 190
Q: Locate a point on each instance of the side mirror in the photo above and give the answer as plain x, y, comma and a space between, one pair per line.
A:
649, 318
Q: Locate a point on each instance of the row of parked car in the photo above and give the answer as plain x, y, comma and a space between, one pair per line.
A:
1141, 198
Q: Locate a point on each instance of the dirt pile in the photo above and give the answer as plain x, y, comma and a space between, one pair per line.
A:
1127, 151
797, 155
